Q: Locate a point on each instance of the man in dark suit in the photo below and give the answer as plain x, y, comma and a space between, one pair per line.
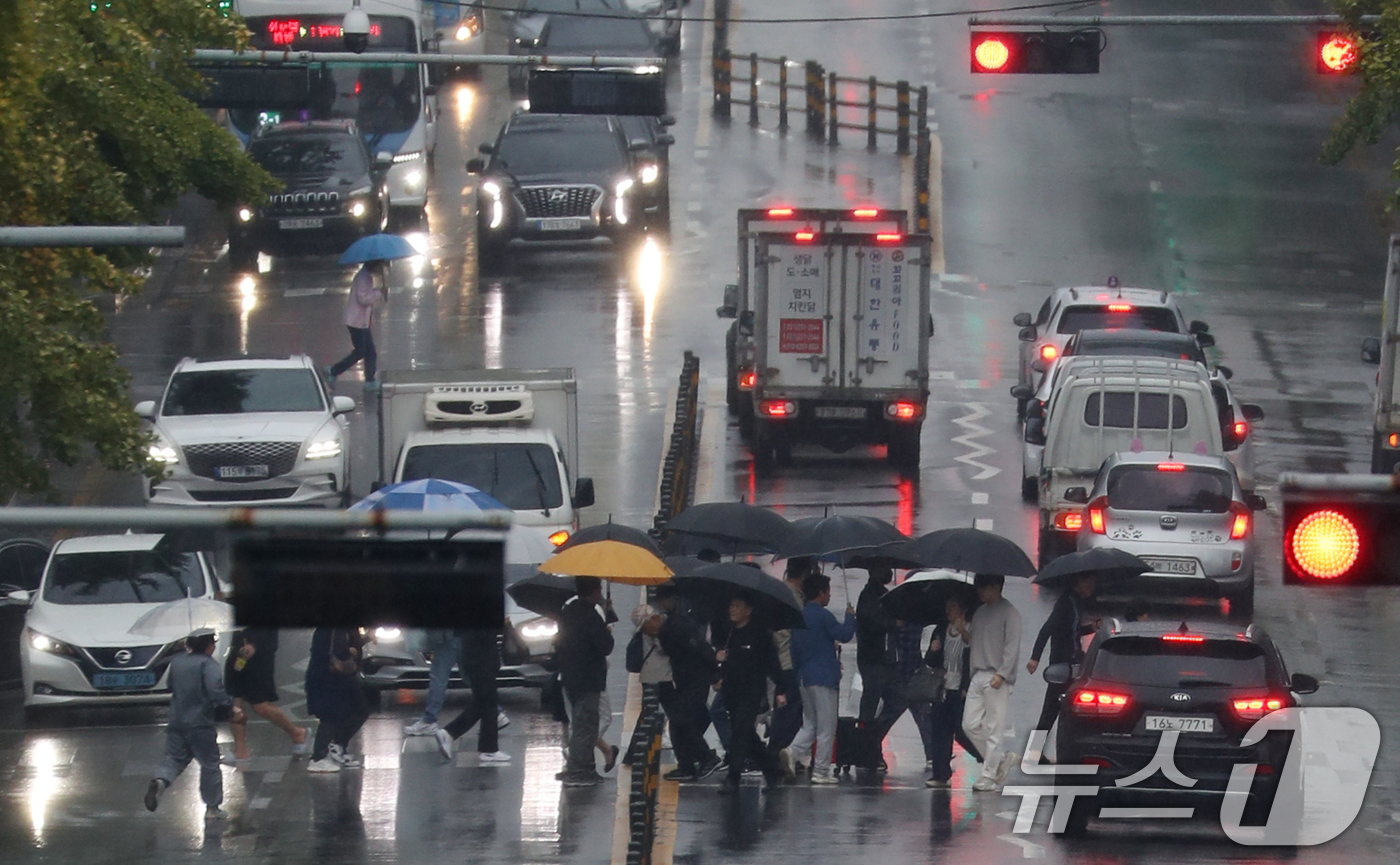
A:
1062, 629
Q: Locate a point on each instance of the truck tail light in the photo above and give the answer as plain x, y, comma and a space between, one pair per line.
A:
1048, 352
747, 377
904, 410
888, 237
559, 537
1095, 702
777, 408
805, 236
779, 212
1239, 526
1070, 521
1254, 708
865, 213
1096, 515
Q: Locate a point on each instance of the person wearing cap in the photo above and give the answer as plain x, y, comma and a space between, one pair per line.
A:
196, 695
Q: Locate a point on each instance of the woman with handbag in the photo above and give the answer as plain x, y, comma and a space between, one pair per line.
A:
335, 696
922, 684
948, 652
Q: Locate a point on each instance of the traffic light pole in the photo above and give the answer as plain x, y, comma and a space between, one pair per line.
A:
52, 236
1164, 20
241, 519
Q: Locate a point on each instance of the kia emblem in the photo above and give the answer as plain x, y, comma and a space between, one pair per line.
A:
123, 656
1180, 697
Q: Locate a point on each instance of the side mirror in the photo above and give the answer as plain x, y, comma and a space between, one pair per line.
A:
1256, 502
383, 160
488, 149
666, 120
1225, 372
746, 321
1371, 350
666, 140
476, 165
1027, 334
1205, 340
1035, 431
1022, 319
19, 597
730, 307
1022, 391
1058, 674
1038, 365
1078, 495
583, 492
1302, 683
1252, 412
146, 409
342, 405
1198, 327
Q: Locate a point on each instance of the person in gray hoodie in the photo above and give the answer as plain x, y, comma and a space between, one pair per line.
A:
196, 695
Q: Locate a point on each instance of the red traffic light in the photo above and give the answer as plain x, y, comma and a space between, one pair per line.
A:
1336, 53
990, 53
1036, 52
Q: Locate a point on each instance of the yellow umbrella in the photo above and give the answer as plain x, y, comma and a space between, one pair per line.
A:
615, 561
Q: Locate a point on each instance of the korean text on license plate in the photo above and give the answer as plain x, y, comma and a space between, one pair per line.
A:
841, 412
239, 472
1182, 723
1181, 567
560, 224
296, 224
136, 679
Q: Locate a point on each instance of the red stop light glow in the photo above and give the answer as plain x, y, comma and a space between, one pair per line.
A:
1324, 545
991, 54
1337, 53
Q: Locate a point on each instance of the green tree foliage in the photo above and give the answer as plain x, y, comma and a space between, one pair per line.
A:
1375, 106
93, 131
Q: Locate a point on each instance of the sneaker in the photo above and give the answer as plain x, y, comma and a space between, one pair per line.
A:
583, 779
344, 759
444, 744
214, 812
325, 764
493, 758
709, 767
372, 386
502, 719
936, 784
680, 774
330, 376
421, 728
612, 759
786, 765
823, 779
985, 785
304, 748
928, 765
1009, 759
153, 791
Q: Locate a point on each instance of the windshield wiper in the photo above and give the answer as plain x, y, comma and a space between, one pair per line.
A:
539, 482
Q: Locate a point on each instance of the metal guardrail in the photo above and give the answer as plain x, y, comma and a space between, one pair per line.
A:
644, 756
47, 236
678, 466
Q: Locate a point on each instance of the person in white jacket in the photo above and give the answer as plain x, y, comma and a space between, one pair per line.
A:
367, 291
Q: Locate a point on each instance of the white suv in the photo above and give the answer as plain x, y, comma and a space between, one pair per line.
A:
249, 431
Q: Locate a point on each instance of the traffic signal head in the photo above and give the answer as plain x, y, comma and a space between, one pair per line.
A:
1341, 538
1037, 52
1336, 53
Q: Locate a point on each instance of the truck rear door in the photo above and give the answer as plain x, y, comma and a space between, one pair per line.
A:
885, 342
798, 294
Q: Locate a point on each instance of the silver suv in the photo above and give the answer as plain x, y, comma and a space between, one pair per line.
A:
249, 431
1186, 515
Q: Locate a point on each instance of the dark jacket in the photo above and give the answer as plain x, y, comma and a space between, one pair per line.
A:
584, 645
874, 629
328, 692
1062, 629
934, 658
692, 657
752, 661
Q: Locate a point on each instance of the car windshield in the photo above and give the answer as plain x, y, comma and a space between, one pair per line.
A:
1187, 350
290, 155
1191, 489
1155, 662
580, 34
1117, 316
1135, 410
565, 147
536, 7
522, 477
127, 577
242, 391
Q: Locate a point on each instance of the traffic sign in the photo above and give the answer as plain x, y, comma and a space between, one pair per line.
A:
1036, 52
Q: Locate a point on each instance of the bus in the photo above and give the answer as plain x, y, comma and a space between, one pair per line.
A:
393, 106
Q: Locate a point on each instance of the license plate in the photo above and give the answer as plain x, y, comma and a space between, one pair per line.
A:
297, 224
138, 679
561, 224
1183, 567
841, 412
1184, 724
235, 472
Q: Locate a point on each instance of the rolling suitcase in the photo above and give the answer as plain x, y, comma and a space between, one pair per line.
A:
856, 746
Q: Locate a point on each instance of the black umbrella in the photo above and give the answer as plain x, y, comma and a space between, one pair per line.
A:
542, 593
685, 565
920, 599
729, 528
1104, 563
772, 598
611, 531
839, 538
965, 550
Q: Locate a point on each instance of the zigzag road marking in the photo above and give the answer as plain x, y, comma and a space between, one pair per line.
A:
975, 430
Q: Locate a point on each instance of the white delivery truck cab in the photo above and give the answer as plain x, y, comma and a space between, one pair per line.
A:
1114, 405
511, 433
841, 331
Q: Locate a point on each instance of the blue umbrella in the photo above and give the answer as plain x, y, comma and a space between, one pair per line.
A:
378, 247
428, 494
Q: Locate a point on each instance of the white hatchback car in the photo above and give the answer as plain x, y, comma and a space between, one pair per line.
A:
249, 431
77, 647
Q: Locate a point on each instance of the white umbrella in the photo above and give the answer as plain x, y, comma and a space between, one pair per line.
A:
184, 616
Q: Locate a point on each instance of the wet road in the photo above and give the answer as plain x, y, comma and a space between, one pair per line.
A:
1188, 164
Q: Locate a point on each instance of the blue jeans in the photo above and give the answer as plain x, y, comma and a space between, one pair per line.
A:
445, 647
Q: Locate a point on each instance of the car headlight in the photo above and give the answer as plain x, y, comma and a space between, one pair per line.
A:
358, 209
468, 29
407, 156
539, 629
623, 185
44, 643
620, 203
650, 172
245, 214
492, 188
323, 449
163, 453
387, 635
498, 207
413, 178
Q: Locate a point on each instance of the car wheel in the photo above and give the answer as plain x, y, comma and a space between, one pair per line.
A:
904, 448
1030, 489
490, 254
242, 257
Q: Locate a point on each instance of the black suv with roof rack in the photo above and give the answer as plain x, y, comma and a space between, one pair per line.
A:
332, 193
1208, 681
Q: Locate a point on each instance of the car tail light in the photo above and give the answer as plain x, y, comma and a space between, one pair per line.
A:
1183, 638
1239, 527
1241, 431
559, 537
889, 237
1393, 440
747, 378
1096, 515
904, 410
1254, 708
1096, 761
1171, 467
1120, 307
777, 212
1071, 521
1048, 352
777, 408
865, 213
1096, 702
805, 236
